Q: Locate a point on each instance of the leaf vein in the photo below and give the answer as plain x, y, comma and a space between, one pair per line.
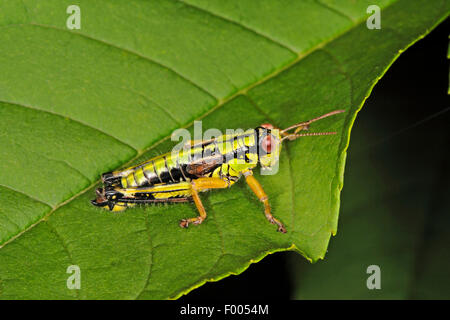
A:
63, 162
66, 249
135, 53
27, 195
67, 117
241, 25
147, 281
334, 10
164, 110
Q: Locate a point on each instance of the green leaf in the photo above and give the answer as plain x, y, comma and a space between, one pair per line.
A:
394, 205
76, 103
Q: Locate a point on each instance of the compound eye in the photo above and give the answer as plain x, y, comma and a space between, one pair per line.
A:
267, 126
267, 144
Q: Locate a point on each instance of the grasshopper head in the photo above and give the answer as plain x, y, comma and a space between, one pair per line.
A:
269, 145
270, 139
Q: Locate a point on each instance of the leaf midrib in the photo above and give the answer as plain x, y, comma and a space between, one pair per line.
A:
220, 103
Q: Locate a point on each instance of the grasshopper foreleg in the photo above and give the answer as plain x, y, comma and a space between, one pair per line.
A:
262, 196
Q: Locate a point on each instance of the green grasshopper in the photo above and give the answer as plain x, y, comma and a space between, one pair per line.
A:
203, 165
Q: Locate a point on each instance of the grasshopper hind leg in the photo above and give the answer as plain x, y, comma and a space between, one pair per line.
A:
118, 199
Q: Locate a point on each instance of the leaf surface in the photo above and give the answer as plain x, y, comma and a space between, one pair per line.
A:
394, 206
76, 103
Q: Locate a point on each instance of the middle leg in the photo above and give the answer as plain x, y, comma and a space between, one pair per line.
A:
198, 185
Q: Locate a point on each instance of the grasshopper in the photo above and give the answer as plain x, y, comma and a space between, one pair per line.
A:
213, 164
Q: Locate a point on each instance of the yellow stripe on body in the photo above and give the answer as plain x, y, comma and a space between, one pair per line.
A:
139, 176
130, 180
124, 182
162, 191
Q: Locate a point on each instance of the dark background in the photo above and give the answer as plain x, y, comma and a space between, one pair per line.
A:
395, 204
